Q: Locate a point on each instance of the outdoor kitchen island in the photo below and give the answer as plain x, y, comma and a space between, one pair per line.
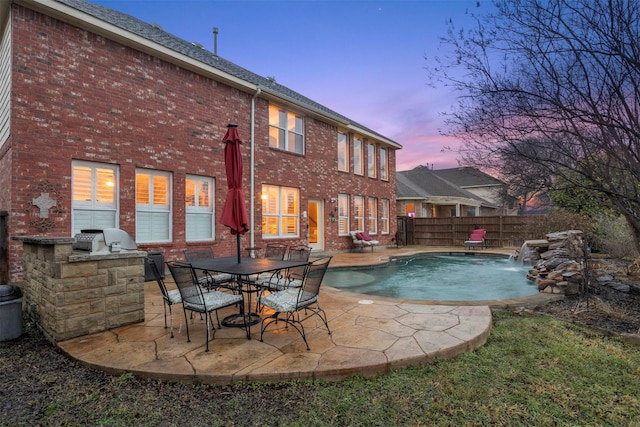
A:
71, 293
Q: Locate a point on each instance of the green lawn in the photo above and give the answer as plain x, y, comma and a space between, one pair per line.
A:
534, 370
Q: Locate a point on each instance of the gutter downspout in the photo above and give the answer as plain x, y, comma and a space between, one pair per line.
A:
252, 165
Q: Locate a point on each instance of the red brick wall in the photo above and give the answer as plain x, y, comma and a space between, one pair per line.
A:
77, 95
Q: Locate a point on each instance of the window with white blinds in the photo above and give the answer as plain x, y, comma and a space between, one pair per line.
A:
280, 211
5, 84
199, 199
372, 211
94, 191
153, 206
358, 212
384, 216
343, 214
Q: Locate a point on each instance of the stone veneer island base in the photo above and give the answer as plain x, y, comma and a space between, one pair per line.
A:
72, 293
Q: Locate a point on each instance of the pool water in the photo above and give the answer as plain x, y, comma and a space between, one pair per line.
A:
439, 277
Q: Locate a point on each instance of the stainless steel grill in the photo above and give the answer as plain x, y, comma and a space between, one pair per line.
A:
104, 241
90, 241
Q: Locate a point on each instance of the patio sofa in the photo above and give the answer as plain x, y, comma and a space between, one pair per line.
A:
362, 239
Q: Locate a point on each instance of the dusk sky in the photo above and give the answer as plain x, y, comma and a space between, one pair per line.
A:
364, 59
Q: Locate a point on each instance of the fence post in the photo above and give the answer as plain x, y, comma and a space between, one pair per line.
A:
454, 229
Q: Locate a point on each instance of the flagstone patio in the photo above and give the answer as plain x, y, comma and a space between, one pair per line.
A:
369, 336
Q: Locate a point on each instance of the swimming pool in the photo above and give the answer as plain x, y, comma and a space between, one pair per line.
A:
456, 277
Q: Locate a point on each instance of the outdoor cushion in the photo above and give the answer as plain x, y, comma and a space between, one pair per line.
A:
287, 300
213, 299
477, 234
359, 236
365, 236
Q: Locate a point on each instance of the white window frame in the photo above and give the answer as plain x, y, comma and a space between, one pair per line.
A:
158, 230
372, 212
343, 152
384, 164
358, 153
199, 217
358, 212
343, 215
101, 214
276, 206
286, 130
384, 216
371, 161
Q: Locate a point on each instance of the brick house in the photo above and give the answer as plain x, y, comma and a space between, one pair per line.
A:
106, 121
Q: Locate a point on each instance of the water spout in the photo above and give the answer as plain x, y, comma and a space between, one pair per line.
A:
524, 255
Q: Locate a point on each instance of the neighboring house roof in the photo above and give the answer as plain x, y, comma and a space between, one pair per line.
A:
193, 51
467, 177
424, 183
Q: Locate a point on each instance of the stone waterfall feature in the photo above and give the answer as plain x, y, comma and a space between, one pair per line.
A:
557, 262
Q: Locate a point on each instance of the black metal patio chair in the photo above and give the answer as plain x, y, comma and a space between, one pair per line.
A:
169, 297
210, 279
276, 251
194, 300
292, 301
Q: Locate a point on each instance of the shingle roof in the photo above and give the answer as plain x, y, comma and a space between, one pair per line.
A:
467, 177
169, 41
422, 182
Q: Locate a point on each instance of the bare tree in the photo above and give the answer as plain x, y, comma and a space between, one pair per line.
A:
525, 179
556, 83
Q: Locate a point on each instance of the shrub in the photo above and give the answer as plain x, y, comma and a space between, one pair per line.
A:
612, 235
557, 220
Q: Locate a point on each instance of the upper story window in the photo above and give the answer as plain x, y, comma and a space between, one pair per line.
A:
371, 160
286, 130
280, 211
358, 167
343, 152
94, 191
358, 212
199, 209
384, 165
153, 206
384, 216
343, 214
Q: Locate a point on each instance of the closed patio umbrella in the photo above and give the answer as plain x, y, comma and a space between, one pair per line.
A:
234, 212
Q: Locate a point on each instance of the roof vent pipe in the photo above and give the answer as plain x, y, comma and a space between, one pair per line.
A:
215, 41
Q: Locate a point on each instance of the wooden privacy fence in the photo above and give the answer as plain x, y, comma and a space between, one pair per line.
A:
502, 231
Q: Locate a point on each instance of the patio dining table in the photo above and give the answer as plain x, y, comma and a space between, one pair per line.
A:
242, 270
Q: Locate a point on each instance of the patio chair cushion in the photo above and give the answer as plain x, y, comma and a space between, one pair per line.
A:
278, 284
215, 279
287, 300
174, 296
214, 299
476, 238
222, 277
366, 237
477, 235
359, 236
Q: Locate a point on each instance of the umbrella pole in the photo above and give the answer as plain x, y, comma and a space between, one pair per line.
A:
238, 245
